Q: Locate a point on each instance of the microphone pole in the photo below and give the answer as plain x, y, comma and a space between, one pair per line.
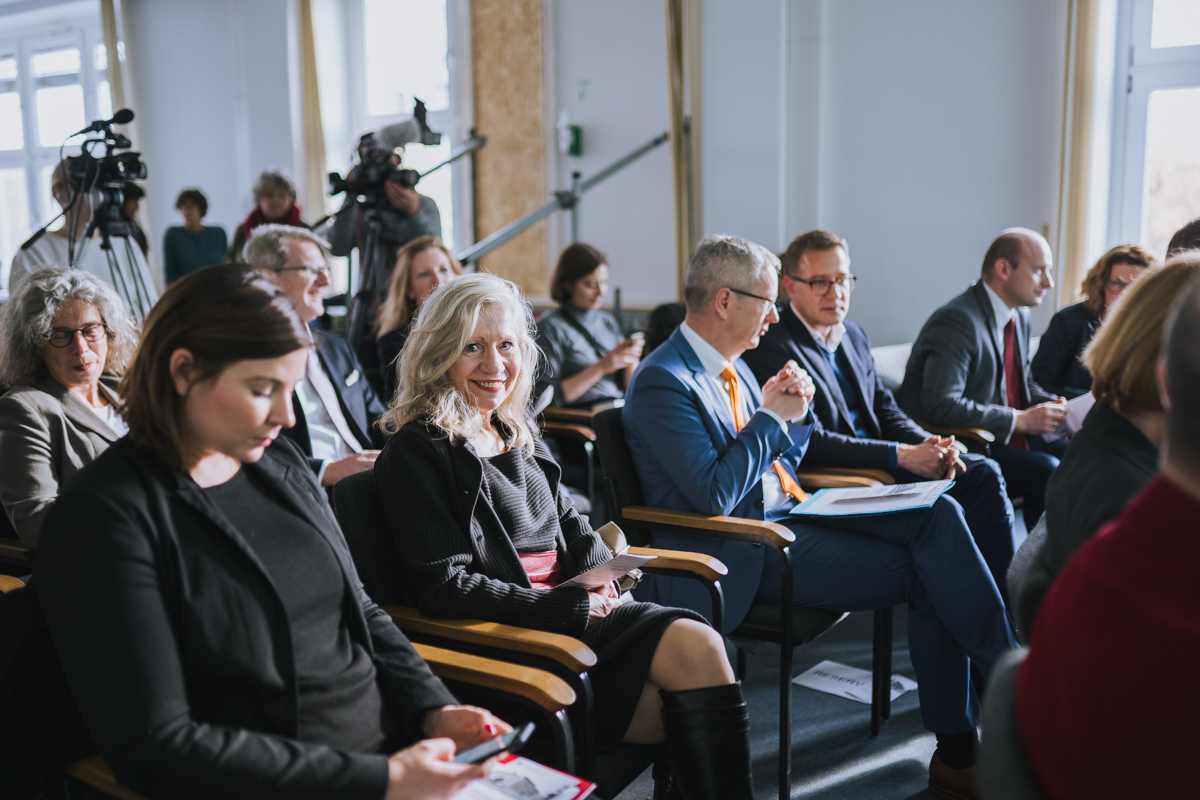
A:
41, 231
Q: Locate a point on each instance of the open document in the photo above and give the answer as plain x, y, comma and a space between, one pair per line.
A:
517, 778
872, 500
614, 569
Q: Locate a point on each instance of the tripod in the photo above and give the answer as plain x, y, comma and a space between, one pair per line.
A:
374, 272
140, 299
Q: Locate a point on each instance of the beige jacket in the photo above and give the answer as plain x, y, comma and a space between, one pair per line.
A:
47, 435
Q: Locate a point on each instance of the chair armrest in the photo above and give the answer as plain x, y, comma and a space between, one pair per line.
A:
579, 433
705, 566
737, 528
8, 583
568, 651
981, 435
842, 478
575, 416
95, 773
548, 691
12, 548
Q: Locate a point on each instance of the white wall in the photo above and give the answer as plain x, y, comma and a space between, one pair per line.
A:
607, 67
916, 130
213, 103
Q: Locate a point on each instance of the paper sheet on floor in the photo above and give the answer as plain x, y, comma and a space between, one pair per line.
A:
850, 682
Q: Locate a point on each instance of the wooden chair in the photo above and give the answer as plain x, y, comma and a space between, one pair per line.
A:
574, 426
373, 549
535, 687
784, 624
982, 438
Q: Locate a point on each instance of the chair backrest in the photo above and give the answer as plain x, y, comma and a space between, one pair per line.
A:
1005, 772
663, 322
359, 512
1028, 580
624, 487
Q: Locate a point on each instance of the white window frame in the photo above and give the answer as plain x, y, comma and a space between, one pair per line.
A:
1141, 70
454, 123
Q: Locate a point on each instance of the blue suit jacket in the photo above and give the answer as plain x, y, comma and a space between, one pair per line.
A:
690, 457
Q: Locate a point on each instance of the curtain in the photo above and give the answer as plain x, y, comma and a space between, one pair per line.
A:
314, 133
1076, 195
115, 71
681, 137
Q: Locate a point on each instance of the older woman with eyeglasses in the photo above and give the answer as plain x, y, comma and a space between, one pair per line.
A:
65, 338
1058, 365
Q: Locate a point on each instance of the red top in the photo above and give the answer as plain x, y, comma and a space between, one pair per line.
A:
543, 568
1107, 700
256, 218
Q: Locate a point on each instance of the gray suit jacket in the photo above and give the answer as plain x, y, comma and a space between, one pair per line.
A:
955, 373
47, 435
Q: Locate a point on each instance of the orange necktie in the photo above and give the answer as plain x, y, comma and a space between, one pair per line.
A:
739, 421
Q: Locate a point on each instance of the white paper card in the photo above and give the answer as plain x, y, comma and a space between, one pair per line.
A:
609, 571
849, 682
1077, 410
522, 779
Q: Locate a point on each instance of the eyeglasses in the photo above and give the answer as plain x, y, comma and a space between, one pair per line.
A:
821, 286
312, 269
92, 332
748, 294
1117, 286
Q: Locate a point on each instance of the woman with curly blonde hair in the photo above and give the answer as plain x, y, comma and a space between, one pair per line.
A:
65, 339
484, 528
1058, 365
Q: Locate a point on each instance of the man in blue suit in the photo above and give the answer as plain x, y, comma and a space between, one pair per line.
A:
706, 440
859, 423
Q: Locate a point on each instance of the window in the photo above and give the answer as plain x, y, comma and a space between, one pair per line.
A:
402, 50
51, 84
1156, 153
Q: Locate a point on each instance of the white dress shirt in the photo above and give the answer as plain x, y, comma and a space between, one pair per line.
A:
1001, 314
714, 364
830, 341
328, 432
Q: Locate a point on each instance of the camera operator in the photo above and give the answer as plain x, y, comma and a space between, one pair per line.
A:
53, 249
129, 212
406, 215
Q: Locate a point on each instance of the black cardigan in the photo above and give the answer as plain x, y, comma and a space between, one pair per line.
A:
175, 643
1056, 366
452, 543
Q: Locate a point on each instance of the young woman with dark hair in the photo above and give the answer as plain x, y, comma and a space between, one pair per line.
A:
200, 595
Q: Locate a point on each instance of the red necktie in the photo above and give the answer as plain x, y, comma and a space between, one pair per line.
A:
739, 421
1012, 382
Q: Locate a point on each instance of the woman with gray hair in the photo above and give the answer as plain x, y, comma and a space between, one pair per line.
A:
274, 202
486, 530
65, 338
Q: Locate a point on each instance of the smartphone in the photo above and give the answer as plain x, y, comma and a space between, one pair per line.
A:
505, 743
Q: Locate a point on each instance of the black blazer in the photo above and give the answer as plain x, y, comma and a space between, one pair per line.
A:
459, 559
1056, 365
360, 405
834, 442
175, 641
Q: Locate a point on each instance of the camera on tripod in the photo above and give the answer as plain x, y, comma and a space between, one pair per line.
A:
103, 178
377, 161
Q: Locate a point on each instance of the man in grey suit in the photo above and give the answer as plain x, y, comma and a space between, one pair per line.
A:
969, 367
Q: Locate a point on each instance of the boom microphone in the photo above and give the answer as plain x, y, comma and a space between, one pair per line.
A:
120, 118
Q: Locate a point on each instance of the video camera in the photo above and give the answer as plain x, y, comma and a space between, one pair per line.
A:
378, 162
103, 178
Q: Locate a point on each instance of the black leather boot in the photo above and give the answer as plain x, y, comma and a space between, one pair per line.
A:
707, 732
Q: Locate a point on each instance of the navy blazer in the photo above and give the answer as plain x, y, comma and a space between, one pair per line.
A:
1056, 365
834, 442
690, 457
360, 405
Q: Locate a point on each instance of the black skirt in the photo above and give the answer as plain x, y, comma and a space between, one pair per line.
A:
624, 643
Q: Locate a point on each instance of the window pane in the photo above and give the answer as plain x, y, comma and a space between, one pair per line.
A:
12, 136
1176, 23
1172, 184
59, 96
438, 185
50, 206
405, 55
14, 217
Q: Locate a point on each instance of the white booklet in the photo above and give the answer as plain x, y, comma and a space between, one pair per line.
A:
872, 500
849, 682
606, 573
517, 778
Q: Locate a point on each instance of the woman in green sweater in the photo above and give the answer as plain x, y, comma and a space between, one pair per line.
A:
188, 248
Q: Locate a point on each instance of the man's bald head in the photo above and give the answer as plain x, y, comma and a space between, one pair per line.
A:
1018, 267
1011, 245
1181, 351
